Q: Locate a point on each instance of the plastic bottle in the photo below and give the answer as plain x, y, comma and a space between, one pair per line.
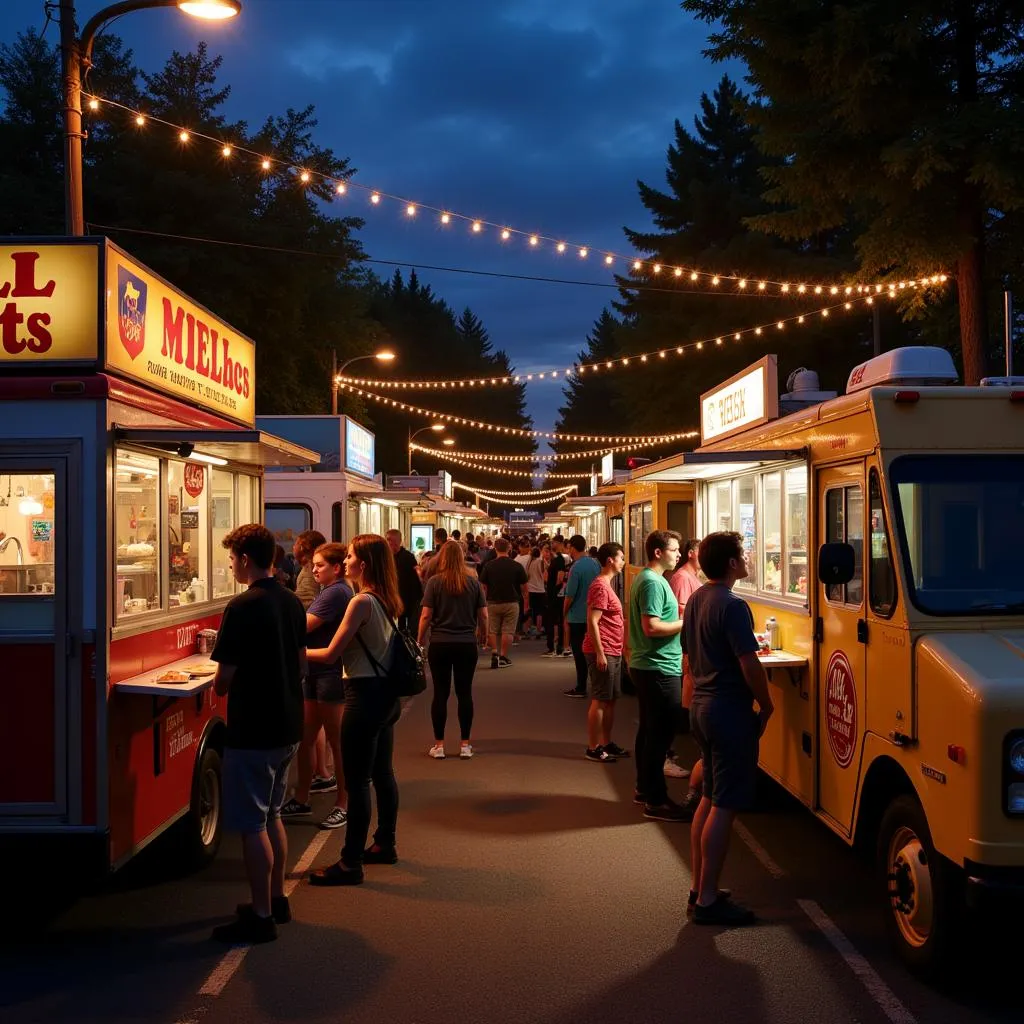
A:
771, 627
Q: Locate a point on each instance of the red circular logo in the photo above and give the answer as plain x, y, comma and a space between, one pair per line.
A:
841, 709
195, 475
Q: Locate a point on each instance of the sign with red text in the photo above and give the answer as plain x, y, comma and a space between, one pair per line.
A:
49, 303
746, 400
157, 335
195, 476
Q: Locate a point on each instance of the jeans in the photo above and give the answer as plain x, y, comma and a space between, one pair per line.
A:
457, 658
577, 634
367, 752
555, 622
660, 696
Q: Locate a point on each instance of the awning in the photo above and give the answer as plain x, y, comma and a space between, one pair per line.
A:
710, 465
416, 499
251, 447
587, 506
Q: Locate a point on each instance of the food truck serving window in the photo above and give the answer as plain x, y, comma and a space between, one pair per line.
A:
959, 519
170, 517
768, 508
27, 533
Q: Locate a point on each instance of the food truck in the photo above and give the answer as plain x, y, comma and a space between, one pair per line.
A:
127, 454
882, 535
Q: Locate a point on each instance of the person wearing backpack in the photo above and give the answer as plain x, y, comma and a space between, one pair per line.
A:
363, 641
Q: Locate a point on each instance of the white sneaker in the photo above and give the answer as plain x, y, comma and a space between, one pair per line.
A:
466, 751
675, 771
437, 751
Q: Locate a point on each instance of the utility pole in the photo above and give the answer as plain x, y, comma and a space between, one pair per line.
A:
71, 82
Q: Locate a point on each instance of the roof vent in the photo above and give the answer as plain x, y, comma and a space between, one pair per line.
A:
804, 391
916, 365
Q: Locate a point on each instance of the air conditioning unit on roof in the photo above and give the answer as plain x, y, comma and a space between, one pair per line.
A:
916, 365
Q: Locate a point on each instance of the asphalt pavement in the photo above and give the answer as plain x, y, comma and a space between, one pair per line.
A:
530, 889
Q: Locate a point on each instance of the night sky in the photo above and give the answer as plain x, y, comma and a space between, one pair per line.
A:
539, 114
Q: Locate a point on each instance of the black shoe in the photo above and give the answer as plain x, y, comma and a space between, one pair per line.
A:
638, 797
504, 662
382, 856
723, 912
245, 929
296, 809
336, 874
691, 900
494, 661
322, 785
667, 812
280, 909
574, 693
599, 754
615, 750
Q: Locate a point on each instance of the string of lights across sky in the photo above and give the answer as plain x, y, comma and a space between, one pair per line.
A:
741, 283
546, 456
446, 456
519, 497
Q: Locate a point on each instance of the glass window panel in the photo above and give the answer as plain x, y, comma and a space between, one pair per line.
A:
26, 533
680, 518
286, 522
745, 516
223, 521
188, 523
795, 538
720, 507
882, 575
646, 526
855, 538
835, 532
636, 544
771, 517
247, 509
136, 533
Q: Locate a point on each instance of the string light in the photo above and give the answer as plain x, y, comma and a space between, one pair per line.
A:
537, 457
506, 232
498, 428
580, 369
483, 467
520, 497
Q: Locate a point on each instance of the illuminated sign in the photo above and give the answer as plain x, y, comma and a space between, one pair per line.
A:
49, 303
607, 467
156, 335
358, 448
745, 400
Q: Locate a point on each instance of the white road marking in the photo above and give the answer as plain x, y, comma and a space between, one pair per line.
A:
866, 974
234, 957
758, 850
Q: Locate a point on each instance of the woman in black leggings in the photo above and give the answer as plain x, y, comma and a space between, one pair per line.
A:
455, 613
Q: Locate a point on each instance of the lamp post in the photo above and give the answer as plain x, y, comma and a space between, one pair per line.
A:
384, 356
76, 54
437, 428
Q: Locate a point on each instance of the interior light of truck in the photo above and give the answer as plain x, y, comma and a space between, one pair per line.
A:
1015, 798
907, 397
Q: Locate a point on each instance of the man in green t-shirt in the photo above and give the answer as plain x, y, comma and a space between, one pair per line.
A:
656, 669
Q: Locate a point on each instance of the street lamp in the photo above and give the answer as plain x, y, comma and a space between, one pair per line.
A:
76, 54
436, 427
384, 356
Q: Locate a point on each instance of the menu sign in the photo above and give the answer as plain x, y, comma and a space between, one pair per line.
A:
359, 445
49, 303
745, 400
156, 335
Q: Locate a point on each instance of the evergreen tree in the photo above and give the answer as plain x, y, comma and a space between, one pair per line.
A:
902, 119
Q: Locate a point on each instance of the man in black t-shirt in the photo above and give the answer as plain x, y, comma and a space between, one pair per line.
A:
410, 586
554, 619
261, 659
504, 580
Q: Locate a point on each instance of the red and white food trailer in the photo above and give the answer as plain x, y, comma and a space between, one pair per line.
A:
127, 453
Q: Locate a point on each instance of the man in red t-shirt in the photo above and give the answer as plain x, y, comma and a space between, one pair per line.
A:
602, 648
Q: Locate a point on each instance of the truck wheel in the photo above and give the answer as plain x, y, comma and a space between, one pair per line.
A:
922, 896
205, 818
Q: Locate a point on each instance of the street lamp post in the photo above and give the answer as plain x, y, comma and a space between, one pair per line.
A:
76, 54
436, 427
383, 356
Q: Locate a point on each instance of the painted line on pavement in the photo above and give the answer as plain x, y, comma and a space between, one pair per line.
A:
234, 957
758, 850
884, 996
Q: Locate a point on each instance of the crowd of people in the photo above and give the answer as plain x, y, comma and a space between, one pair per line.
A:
305, 673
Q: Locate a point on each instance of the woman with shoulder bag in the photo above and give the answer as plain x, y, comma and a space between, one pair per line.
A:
371, 709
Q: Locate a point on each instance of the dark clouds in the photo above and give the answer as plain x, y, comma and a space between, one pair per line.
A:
541, 114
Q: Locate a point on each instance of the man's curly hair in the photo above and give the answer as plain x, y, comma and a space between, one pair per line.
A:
254, 540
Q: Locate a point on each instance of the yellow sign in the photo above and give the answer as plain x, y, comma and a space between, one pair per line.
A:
158, 336
49, 298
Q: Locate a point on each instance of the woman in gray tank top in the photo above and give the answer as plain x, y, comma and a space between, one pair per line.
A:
371, 709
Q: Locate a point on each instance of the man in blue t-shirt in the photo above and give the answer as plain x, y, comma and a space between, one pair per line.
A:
583, 571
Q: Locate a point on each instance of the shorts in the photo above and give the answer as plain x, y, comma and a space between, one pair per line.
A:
325, 689
254, 784
728, 737
502, 618
604, 684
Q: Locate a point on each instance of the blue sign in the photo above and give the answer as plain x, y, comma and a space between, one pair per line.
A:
359, 443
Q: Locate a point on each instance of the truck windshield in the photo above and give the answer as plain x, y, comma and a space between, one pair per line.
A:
960, 520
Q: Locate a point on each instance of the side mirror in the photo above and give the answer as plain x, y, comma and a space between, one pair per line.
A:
836, 564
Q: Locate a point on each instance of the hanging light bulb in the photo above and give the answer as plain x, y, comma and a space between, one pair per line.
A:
445, 218
375, 198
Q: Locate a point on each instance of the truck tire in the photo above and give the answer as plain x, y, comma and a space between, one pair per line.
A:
204, 821
923, 904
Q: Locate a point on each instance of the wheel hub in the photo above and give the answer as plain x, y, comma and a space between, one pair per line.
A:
910, 887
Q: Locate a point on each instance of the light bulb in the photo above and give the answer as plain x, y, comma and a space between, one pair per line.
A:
657, 268
375, 198
183, 136
140, 120
265, 165
560, 247
714, 280
534, 240
636, 264
477, 226
678, 272
445, 218
226, 151
609, 260
583, 253
505, 234
304, 177
94, 104
340, 189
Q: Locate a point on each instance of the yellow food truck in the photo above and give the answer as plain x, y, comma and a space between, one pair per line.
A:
883, 532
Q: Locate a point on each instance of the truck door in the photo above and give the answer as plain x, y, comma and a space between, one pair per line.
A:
40, 615
841, 656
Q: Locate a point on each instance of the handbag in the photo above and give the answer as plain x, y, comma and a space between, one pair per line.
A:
405, 673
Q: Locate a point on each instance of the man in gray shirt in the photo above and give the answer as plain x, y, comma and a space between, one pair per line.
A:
718, 638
